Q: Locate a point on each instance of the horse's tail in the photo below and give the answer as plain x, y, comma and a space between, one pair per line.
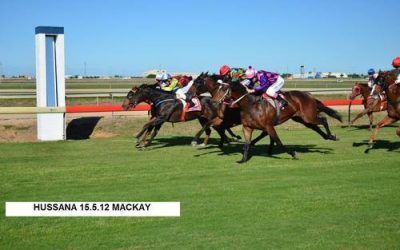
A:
331, 112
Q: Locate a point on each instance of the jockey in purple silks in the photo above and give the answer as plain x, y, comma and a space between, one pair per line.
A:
270, 83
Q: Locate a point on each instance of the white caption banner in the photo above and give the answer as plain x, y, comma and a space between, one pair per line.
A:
93, 209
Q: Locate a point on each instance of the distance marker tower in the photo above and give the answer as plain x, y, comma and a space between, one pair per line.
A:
50, 82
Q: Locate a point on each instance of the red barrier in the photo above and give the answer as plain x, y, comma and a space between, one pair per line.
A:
146, 107
103, 108
341, 102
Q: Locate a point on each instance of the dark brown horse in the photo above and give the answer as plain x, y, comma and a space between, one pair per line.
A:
371, 104
165, 108
225, 120
256, 113
386, 82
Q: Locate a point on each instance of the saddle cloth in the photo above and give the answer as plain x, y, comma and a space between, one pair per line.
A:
196, 107
270, 100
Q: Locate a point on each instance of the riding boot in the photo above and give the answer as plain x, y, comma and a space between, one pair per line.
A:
189, 102
282, 102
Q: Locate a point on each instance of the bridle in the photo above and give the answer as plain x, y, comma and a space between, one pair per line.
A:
240, 98
226, 92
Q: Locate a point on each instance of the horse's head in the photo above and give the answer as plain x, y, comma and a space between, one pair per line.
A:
229, 92
135, 96
355, 91
386, 79
198, 83
222, 93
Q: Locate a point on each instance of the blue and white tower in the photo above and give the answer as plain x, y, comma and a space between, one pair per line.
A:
50, 82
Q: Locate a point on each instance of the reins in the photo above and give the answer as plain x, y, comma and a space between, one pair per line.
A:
238, 100
162, 101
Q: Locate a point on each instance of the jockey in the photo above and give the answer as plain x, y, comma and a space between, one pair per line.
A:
251, 78
232, 74
371, 82
163, 80
171, 84
271, 83
184, 82
396, 65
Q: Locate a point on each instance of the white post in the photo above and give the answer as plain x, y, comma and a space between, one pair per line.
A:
50, 81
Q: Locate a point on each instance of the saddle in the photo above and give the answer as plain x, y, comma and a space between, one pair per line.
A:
186, 107
274, 103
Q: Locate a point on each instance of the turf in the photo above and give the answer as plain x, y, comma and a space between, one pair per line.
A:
335, 196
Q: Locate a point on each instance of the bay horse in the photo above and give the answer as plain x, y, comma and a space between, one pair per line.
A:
165, 108
257, 113
386, 82
370, 104
224, 121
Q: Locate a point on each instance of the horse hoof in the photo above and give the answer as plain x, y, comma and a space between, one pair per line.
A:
334, 138
241, 161
194, 143
294, 156
370, 145
202, 145
236, 139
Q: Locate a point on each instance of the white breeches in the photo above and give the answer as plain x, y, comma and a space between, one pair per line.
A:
181, 93
274, 88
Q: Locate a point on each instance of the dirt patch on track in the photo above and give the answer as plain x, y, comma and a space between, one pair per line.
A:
21, 130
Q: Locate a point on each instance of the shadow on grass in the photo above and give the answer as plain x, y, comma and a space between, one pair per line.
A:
379, 144
237, 148
365, 127
82, 128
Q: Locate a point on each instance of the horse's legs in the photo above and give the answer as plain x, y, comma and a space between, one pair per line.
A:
324, 122
258, 138
221, 131
237, 137
144, 138
385, 121
359, 115
145, 127
208, 133
205, 125
247, 131
157, 125
311, 126
274, 136
271, 146
371, 119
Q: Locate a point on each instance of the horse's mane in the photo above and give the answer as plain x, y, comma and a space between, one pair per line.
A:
215, 77
365, 85
154, 87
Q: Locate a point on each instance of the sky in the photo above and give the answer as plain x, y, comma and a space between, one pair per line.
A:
129, 37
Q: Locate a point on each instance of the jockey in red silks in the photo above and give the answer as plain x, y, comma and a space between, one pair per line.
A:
270, 83
232, 74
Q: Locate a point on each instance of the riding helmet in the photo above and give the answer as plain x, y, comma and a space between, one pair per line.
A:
396, 62
371, 71
224, 70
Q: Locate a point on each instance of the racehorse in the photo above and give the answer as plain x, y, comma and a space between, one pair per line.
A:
371, 105
228, 117
165, 108
386, 82
257, 113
